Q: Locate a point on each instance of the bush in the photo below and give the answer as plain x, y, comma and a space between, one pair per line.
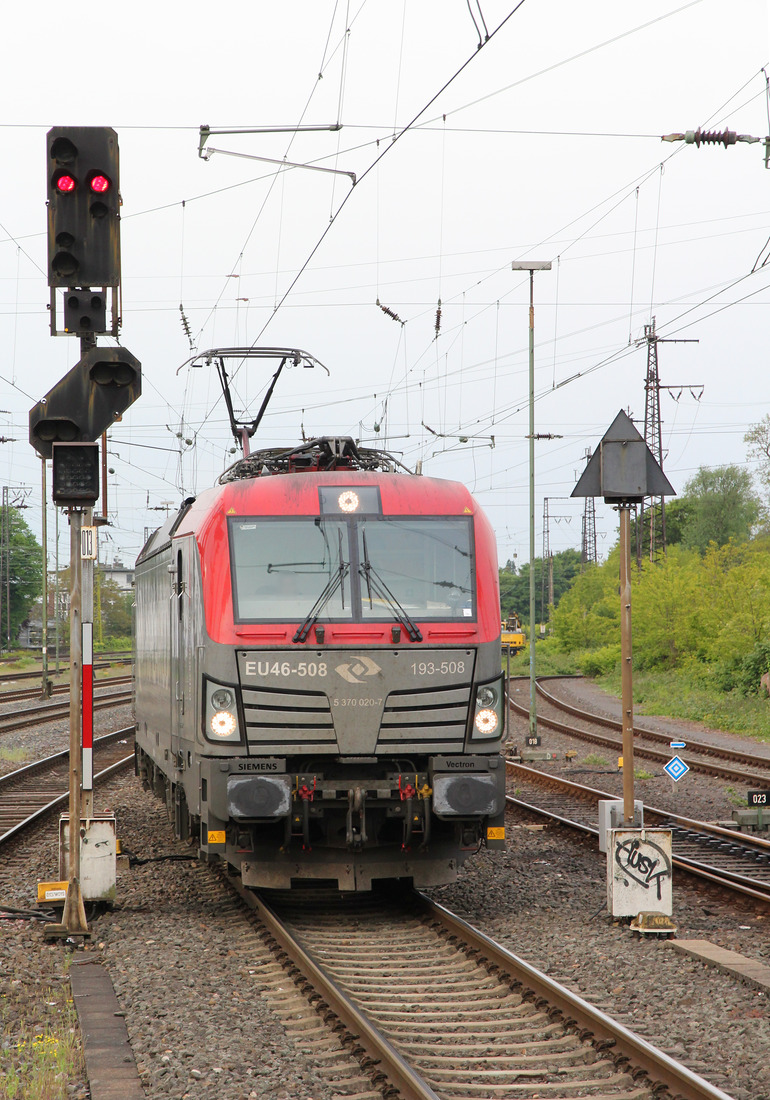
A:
115, 643
599, 662
743, 674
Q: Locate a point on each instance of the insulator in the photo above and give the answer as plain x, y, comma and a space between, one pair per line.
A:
710, 137
438, 318
186, 326
389, 312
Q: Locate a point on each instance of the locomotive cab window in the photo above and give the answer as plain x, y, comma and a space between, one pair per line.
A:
352, 569
281, 566
425, 564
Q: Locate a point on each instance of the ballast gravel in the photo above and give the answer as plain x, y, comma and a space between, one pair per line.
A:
187, 968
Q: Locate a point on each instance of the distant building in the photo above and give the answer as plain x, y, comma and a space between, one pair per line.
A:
122, 575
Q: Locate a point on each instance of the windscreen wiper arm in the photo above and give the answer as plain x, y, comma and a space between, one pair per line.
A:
331, 587
375, 583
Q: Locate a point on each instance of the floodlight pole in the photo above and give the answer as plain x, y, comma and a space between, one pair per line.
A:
532, 266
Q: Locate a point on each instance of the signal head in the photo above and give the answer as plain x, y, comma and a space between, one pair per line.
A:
83, 207
100, 183
65, 183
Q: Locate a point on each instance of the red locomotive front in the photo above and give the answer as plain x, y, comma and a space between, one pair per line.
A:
319, 691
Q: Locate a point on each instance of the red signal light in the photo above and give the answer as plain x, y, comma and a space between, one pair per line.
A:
66, 183
100, 184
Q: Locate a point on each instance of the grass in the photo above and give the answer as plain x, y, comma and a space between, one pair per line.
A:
681, 694
595, 761
640, 773
548, 661
41, 1053
14, 756
20, 662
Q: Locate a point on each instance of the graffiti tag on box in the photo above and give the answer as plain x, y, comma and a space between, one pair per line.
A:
645, 862
639, 872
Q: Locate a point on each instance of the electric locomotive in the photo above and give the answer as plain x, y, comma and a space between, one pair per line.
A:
318, 682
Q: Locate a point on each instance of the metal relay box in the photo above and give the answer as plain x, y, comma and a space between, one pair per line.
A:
98, 860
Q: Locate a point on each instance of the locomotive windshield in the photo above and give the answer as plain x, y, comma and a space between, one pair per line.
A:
358, 568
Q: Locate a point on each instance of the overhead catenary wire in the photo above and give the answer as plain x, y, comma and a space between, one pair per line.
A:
405, 129
449, 364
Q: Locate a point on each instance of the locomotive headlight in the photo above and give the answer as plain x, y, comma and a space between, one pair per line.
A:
223, 723
486, 696
488, 718
486, 722
221, 716
348, 501
222, 699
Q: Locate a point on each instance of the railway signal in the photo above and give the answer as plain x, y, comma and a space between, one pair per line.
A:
85, 311
83, 192
624, 471
87, 400
83, 206
75, 481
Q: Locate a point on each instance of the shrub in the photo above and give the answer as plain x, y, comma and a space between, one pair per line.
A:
599, 662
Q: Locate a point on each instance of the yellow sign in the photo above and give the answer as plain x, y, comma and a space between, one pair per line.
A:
51, 891
217, 836
496, 832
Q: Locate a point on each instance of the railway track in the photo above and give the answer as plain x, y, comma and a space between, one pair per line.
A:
434, 1009
699, 755
438, 1011
735, 861
48, 712
21, 694
106, 661
29, 793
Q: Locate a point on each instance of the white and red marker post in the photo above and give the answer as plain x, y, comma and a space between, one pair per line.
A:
88, 555
88, 718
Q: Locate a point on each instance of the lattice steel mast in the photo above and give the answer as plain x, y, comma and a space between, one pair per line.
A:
653, 438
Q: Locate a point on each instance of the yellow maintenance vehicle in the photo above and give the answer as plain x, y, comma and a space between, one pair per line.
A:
512, 634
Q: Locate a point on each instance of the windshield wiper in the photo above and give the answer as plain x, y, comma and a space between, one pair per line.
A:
336, 581
375, 583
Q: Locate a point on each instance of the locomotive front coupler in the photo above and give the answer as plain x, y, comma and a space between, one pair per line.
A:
356, 804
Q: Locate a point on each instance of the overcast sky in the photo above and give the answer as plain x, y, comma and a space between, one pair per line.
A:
543, 144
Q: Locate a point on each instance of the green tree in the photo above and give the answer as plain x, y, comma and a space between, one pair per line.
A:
678, 515
21, 575
116, 609
566, 566
758, 439
514, 586
588, 615
670, 617
735, 586
723, 506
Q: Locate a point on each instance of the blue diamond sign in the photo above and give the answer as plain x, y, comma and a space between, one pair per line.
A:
676, 768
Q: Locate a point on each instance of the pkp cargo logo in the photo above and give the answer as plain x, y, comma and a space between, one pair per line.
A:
358, 666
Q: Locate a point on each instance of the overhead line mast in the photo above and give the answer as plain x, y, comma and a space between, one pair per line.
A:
652, 437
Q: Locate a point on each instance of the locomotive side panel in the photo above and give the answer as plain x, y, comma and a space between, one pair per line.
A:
152, 625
